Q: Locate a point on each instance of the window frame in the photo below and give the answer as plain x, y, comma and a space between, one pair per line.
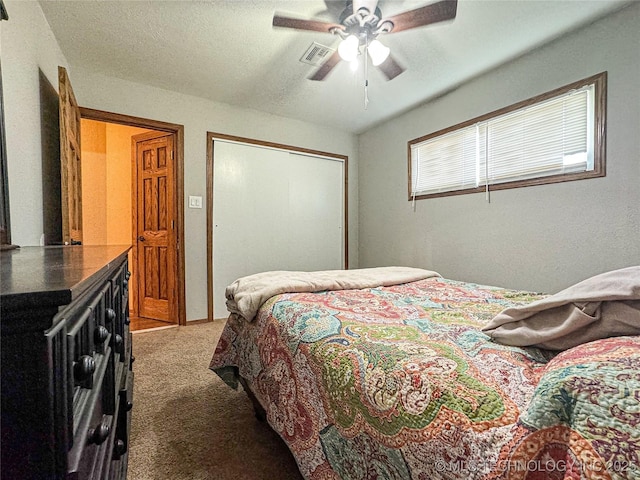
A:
599, 81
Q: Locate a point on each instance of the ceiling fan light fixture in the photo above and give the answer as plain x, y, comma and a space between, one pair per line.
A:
360, 24
348, 48
378, 52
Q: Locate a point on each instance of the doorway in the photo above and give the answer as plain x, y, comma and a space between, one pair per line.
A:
143, 159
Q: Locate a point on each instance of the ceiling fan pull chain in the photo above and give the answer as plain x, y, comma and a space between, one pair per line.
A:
366, 93
365, 59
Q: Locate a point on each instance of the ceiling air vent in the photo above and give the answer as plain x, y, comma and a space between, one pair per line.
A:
316, 54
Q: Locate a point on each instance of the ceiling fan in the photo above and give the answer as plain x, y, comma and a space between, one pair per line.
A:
360, 25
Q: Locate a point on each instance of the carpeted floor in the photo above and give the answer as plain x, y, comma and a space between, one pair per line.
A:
188, 424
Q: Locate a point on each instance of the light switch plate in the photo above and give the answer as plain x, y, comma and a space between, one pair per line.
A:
195, 202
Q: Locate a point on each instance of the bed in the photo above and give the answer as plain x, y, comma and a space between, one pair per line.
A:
400, 382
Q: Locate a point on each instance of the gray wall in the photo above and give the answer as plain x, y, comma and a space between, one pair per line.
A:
540, 238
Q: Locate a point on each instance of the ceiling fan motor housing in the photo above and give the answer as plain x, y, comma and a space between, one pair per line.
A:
348, 12
362, 24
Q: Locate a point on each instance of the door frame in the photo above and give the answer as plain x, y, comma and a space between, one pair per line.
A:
211, 137
178, 130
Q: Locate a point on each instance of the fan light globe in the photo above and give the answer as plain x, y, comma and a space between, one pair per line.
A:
378, 52
348, 48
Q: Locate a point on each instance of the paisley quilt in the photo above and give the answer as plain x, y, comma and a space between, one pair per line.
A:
400, 383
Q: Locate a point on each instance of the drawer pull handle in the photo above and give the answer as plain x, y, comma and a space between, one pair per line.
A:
84, 368
129, 406
111, 314
118, 344
125, 283
127, 275
127, 320
120, 448
100, 334
100, 433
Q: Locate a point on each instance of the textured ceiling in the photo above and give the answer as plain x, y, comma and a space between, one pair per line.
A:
227, 50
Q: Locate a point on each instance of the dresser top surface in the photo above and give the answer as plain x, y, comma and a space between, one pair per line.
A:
54, 275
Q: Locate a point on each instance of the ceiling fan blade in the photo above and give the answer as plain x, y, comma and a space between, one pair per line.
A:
433, 13
300, 24
391, 68
326, 67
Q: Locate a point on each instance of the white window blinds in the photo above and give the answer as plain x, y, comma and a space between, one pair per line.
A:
551, 137
446, 163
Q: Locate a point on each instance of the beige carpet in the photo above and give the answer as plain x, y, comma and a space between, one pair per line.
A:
188, 424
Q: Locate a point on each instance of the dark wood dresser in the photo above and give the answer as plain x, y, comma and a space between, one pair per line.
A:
67, 382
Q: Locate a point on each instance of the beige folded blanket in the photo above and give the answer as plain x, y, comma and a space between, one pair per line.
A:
247, 294
602, 306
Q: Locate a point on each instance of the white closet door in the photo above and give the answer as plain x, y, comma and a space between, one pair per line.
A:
273, 210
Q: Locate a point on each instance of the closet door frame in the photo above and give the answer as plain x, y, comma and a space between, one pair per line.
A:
211, 138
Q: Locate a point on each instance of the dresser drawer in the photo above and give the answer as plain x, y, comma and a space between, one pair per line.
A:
90, 340
120, 302
117, 467
123, 426
92, 432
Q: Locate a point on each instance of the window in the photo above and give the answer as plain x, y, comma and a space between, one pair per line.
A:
555, 137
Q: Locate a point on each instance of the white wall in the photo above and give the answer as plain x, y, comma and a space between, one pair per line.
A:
27, 45
27, 42
539, 238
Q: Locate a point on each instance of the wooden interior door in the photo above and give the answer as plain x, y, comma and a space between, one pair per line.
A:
70, 169
154, 226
